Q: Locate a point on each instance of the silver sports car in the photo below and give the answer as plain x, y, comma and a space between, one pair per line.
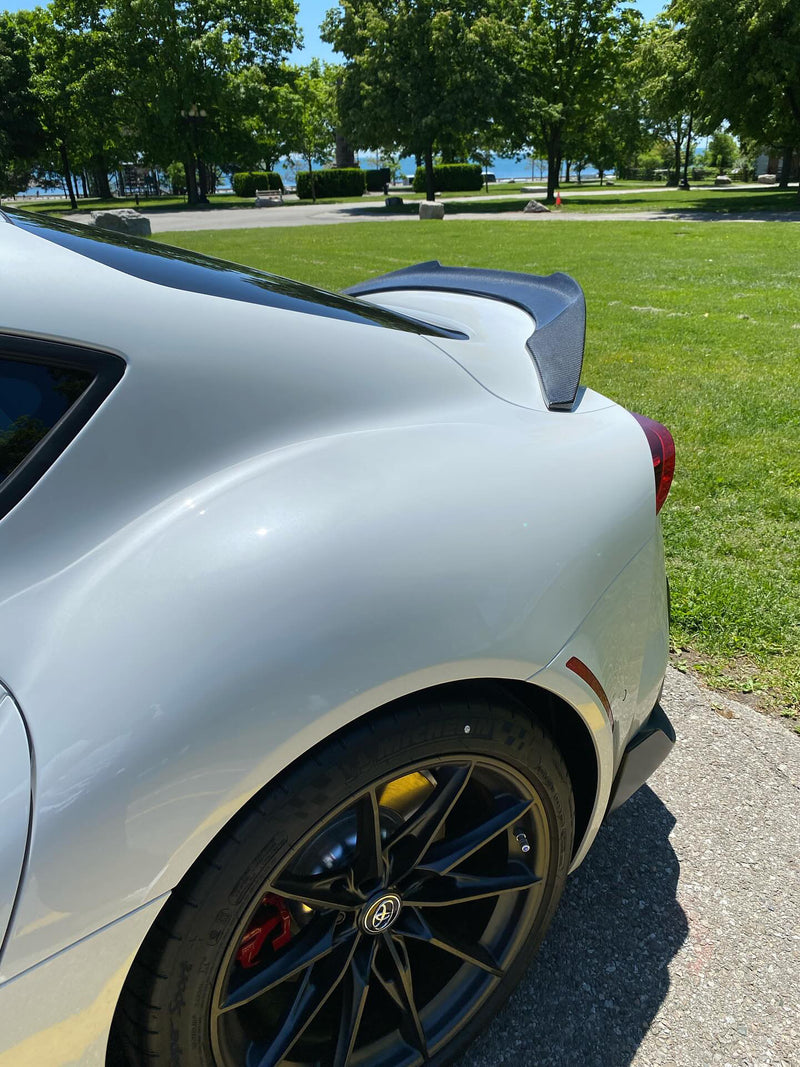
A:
331, 629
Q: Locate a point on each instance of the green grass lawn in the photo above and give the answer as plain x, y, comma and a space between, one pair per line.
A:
696, 325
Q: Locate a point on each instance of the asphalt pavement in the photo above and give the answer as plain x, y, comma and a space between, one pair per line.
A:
677, 943
371, 210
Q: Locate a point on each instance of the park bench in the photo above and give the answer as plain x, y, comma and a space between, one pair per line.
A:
268, 197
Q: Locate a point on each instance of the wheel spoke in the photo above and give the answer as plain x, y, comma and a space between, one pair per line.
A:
397, 982
316, 985
368, 865
355, 997
460, 888
412, 924
443, 856
323, 891
309, 946
413, 840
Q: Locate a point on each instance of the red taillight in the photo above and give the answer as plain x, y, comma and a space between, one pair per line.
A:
662, 447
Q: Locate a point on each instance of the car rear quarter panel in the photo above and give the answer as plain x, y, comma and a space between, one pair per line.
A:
272, 527
15, 806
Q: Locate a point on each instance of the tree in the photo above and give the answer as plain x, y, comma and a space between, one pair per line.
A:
669, 83
747, 54
421, 75
567, 56
21, 136
722, 151
617, 131
74, 81
196, 72
307, 113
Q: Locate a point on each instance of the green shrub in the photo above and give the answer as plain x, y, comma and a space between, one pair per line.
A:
377, 179
246, 182
451, 178
344, 181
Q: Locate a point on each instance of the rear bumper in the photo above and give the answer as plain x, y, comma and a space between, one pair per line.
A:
648, 749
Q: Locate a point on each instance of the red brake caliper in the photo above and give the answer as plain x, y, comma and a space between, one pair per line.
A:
274, 925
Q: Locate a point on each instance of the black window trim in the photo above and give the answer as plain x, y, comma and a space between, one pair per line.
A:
107, 369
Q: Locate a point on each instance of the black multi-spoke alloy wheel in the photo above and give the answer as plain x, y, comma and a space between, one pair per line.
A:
372, 910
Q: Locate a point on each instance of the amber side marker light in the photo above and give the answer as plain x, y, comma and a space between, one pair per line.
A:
577, 666
662, 449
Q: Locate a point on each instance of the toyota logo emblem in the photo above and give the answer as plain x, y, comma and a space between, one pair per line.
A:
381, 913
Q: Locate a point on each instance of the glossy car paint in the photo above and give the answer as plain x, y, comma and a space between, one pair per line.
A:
271, 527
58, 1013
15, 804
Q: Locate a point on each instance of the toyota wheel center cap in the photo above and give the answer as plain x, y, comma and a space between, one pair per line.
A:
381, 914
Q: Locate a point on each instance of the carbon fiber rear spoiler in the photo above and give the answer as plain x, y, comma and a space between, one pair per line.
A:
555, 302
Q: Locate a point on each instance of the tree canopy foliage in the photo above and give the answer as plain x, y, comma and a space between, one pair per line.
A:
192, 87
421, 75
746, 57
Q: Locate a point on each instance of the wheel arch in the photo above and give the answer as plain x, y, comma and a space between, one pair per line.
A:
564, 724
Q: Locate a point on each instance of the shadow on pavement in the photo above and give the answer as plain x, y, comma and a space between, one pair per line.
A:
601, 975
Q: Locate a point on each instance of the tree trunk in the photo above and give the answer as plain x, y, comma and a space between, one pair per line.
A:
678, 143
202, 190
688, 153
311, 176
191, 179
553, 163
345, 155
566, 175
600, 174
103, 185
430, 193
68, 176
786, 166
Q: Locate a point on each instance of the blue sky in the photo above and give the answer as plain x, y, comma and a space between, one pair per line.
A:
312, 13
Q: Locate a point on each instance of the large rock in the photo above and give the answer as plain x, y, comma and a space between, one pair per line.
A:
535, 207
722, 179
394, 202
122, 220
431, 209
767, 179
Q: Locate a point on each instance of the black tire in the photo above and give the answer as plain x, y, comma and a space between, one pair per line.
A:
482, 757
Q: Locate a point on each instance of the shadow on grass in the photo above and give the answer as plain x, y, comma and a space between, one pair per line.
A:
600, 977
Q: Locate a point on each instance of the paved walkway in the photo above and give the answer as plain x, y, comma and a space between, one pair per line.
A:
370, 210
677, 943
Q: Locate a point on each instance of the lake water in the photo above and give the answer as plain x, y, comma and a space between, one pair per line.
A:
503, 168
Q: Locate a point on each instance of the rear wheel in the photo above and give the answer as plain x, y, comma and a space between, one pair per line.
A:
372, 911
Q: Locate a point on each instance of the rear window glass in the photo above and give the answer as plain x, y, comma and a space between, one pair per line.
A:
33, 398
179, 268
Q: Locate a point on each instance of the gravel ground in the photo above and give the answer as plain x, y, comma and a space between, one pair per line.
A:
678, 940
